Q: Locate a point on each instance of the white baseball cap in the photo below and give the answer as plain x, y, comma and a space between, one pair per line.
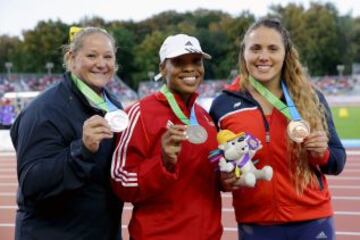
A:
177, 45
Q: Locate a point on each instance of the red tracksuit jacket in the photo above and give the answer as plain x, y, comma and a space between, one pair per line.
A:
182, 205
276, 201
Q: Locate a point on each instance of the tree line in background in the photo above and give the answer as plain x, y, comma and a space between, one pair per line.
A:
324, 39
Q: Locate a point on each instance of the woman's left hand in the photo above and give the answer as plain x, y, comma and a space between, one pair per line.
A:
316, 143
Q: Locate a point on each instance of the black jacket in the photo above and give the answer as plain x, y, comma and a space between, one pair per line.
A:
64, 189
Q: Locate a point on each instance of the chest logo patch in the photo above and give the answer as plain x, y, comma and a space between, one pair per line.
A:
237, 104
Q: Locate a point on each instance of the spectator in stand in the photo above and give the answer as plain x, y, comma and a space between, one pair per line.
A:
300, 144
159, 166
64, 148
7, 113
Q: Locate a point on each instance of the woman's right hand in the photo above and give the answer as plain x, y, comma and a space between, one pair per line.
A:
171, 145
95, 129
228, 181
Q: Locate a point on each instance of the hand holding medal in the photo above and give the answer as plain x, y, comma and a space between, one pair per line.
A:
95, 129
116, 118
195, 133
171, 145
316, 144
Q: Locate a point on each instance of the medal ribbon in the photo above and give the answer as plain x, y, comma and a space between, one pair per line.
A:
176, 109
193, 120
110, 105
271, 98
101, 102
295, 115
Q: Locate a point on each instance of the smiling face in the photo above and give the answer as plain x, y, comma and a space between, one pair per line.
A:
183, 74
264, 54
94, 62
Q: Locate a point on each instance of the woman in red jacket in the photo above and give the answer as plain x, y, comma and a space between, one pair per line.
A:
160, 163
276, 103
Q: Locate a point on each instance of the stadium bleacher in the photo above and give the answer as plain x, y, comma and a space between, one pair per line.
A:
35, 83
9, 108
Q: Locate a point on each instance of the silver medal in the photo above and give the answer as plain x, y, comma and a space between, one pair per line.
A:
298, 130
196, 134
118, 120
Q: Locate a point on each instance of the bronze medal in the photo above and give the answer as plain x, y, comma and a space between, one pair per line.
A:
298, 130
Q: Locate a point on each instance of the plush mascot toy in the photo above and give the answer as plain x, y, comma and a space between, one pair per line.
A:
237, 153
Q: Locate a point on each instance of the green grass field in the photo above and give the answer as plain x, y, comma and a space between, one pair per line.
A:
347, 122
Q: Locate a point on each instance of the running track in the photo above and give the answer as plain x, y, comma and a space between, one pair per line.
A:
345, 191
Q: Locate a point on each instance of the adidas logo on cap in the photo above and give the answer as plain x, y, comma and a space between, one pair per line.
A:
188, 43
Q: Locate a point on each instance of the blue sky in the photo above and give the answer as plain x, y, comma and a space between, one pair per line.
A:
19, 15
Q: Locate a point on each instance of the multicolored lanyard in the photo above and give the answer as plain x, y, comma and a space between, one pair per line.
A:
297, 129
103, 103
176, 109
295, 115
271, 98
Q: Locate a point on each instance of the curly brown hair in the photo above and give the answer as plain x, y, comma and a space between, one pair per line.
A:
303, 94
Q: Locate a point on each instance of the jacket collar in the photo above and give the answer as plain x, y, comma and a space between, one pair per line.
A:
245, 94
74, 89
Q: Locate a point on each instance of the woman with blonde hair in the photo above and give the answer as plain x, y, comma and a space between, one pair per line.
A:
277, 103
64, 146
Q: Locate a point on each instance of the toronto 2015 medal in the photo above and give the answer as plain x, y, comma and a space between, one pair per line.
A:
196, 134
298, 130
118, 120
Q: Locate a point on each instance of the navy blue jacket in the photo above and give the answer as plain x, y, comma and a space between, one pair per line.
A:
64, 189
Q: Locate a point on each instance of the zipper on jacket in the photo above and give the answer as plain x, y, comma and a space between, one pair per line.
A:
267, 136
265, 122
247, 96
318, 176
267, 140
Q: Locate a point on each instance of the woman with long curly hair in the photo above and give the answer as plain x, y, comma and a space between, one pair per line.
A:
277, 103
